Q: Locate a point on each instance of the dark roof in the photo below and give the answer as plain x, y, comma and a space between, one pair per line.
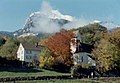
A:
84, 48
31, 47
91, 57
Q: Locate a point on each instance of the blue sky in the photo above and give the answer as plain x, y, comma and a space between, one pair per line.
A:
13, 13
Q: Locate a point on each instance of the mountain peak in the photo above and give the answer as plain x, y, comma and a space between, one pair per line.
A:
53, 14
109, 24
57, 15
96, 21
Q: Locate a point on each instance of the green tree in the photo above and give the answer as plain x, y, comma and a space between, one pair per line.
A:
2, 41
92, 33
29, 39
9, 49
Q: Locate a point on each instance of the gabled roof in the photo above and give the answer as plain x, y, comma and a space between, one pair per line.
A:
31, 47
84, 48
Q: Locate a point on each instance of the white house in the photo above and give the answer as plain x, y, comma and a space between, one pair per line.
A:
83, 58
81, 51
28, 53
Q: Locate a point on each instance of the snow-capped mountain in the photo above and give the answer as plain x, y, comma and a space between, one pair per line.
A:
109, 24
54, 14
37, 23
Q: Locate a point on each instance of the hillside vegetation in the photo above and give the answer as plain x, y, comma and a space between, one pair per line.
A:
106, 47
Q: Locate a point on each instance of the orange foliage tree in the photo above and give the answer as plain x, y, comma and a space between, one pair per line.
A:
59, 44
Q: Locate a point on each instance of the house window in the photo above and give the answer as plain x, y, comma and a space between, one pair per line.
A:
82, 58
28, 51
20, 48
28, 57
35, 56
21, 57
21, 52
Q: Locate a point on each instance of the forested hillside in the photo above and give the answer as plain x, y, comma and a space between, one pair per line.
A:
56, 52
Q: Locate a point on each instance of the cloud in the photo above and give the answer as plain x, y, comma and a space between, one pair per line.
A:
43, 23
76, 23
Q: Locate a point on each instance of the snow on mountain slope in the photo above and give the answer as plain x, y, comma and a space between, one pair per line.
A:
49, 20
108, 24
40, 22
57, 15
54, 14
44, 22
27, 34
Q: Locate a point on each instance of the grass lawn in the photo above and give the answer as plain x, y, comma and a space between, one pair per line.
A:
58, 81
70, 81
110, 80
42, 72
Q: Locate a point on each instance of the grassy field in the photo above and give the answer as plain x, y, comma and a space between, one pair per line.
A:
59, 81
73, 81
42, 72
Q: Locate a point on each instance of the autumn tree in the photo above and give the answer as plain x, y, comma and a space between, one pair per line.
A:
46, 59
107, 52
104, 55
59, 44
114, 37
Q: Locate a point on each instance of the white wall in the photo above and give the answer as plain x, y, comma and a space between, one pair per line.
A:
20, 53
83, 58
73, 46
34, 55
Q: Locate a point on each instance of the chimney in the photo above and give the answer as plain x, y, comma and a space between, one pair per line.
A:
37, 44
